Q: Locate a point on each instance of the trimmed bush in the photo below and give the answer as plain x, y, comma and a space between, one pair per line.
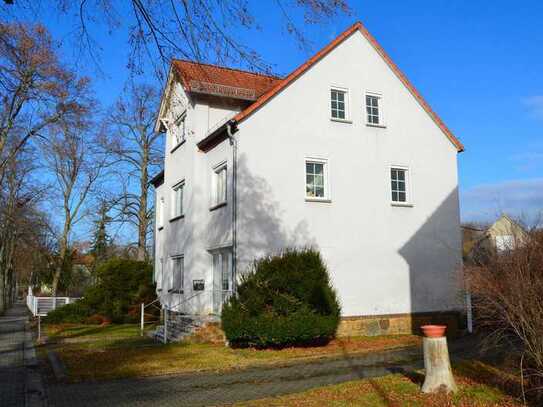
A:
74, 313
285, 300
122, 286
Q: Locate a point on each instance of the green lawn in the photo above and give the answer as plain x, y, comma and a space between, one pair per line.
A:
113, 351
393, 390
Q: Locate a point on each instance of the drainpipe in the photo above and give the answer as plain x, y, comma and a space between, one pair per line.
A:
231, 129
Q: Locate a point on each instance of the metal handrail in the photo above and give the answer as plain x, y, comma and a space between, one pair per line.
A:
185, 300
170, 308
151, 303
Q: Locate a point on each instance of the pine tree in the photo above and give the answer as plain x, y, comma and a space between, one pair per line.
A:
101, 241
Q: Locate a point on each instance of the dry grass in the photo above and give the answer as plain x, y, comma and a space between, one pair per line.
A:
117, 351
392, 391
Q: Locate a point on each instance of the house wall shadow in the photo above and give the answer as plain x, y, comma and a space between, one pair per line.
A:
434, 257
261, 224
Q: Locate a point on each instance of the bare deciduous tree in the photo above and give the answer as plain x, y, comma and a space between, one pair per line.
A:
18, 197
36, 91
202, 30
137, 148
507, 290
70, 154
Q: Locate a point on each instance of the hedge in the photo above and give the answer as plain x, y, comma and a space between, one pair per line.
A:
285, 300
122, 286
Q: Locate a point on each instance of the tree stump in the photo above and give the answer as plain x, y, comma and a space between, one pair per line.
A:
438, 366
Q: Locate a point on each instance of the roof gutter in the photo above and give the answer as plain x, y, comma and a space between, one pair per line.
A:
219, 134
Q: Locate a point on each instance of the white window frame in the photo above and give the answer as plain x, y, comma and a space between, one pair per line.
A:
178, 131
174, 212
217, 200
504, 243
160, 214
326, 184
224, 257
174, 261
347, 100
408, 182
380, 109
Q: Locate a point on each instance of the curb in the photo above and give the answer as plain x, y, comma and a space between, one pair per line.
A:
58, 367
35, 395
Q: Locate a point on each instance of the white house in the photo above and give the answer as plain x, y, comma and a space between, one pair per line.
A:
343, 154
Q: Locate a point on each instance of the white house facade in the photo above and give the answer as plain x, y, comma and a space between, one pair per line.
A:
343, 155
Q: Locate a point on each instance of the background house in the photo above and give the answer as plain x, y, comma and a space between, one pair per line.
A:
479, 242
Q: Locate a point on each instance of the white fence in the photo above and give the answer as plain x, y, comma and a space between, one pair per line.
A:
40, 306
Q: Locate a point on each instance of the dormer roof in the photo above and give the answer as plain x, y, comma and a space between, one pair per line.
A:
221, 81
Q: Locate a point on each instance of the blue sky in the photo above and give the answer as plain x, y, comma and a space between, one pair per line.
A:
478, 64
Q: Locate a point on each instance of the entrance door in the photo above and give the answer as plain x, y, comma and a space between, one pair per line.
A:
222, 278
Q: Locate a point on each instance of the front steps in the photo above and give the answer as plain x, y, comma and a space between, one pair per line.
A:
198, 328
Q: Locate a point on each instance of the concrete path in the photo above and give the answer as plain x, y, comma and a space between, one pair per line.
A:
218, 389
20, 383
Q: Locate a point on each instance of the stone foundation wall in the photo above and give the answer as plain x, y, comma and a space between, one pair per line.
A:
371, 325
396, 324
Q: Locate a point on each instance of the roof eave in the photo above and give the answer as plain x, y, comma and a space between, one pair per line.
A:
214, 138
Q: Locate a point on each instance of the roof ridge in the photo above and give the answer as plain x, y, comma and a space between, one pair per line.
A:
227, 68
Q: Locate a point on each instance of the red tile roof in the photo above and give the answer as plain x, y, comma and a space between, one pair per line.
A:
205, 78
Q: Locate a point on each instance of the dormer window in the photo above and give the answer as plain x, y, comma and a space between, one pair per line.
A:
178, 131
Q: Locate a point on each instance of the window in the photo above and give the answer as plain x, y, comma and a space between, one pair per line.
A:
160, 213
223, 267
178, 274
178, 131
219, 185
315, 179
338, 100
398, 178
222, 277
373, 109
177, 200
504, 243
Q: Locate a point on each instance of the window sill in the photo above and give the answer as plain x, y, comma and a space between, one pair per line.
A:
175, 291
177, 218
323, 200
402, 204
217, 206
177, 146
335, 119
379, 126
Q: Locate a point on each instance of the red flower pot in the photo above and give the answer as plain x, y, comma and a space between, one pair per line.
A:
433, 331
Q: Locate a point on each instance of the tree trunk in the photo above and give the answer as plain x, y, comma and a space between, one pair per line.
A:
2, 290
142, 210
62, 259
438, 367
